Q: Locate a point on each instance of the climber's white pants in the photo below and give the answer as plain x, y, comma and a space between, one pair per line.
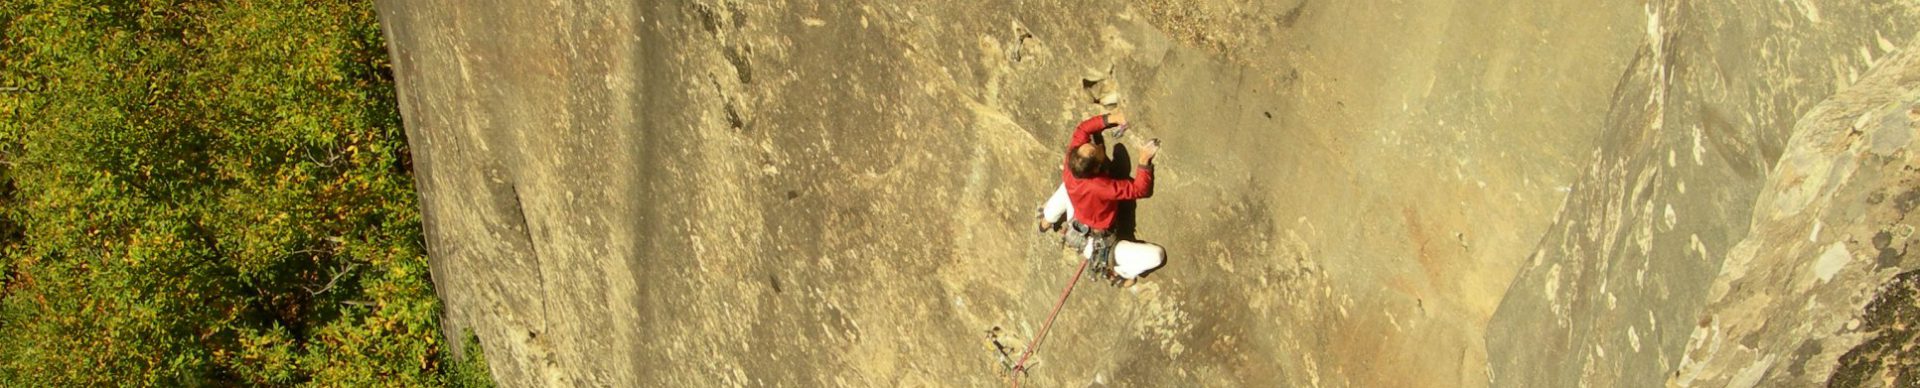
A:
1057, 207
1130, 258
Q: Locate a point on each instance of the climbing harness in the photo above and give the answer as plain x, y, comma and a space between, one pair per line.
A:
1094, 245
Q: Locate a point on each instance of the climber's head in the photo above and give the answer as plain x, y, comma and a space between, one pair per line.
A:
1085, 161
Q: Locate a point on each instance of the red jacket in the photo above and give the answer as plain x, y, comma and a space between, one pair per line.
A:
1095, 199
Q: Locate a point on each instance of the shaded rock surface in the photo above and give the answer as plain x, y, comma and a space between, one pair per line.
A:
1821, 289
802, 193
1617, 284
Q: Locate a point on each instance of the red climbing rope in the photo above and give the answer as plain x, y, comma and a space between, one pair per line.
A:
1021, 366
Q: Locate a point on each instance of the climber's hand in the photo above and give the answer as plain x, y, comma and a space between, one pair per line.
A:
1148, 150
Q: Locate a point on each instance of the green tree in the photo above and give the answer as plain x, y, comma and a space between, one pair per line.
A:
203, 192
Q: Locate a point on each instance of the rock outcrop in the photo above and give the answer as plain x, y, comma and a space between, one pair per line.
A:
1614, 288
1821, 291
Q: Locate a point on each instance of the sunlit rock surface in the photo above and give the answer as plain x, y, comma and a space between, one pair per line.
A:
1379, 194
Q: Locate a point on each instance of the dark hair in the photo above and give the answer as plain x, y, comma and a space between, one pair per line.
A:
1081, 166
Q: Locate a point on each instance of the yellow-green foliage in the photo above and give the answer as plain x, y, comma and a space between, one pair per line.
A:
205, 193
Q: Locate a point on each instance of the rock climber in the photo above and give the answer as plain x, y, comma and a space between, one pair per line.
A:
1092, 197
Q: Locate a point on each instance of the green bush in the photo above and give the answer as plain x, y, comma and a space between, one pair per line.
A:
471, 371
203, 193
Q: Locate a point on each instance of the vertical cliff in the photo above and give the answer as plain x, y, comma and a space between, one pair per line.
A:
801, 193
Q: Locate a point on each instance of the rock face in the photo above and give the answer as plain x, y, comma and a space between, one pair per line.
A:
1617, 284
806, 193
1821, 290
